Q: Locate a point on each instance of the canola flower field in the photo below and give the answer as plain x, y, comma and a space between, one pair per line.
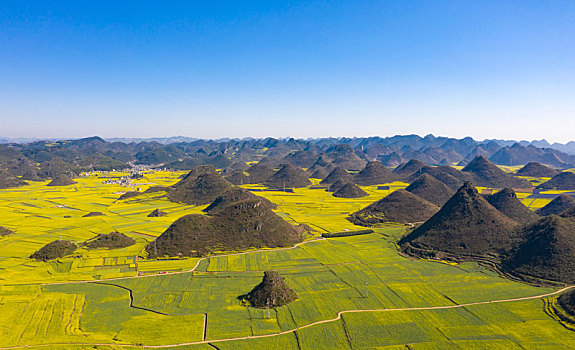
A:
115, 299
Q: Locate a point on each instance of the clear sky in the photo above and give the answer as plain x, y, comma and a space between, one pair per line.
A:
211, 68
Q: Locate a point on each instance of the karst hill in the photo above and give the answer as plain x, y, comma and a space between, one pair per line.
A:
430, 189
467, 225
240, 225
399, 206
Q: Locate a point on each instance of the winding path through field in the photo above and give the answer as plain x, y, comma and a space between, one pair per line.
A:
337, 318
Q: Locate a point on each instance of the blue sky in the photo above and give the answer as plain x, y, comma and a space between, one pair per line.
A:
211, 69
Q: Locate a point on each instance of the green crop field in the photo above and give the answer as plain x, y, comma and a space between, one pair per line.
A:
354, 292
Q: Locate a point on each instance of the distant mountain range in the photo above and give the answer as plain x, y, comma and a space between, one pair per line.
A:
46, 159
568, 147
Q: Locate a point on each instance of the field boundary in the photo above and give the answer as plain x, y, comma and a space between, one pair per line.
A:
337, 318
170, 273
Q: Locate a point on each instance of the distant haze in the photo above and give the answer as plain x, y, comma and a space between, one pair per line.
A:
213, 69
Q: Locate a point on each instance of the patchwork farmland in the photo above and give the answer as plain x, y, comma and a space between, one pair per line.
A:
353, 292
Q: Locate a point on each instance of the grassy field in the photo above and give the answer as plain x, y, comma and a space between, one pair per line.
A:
130, 301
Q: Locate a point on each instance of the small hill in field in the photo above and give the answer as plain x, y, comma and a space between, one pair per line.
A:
233, 195
54, 250
399, 206
430, 189
93, 213
561, 181
5, 231
374, 173
546, 252
557, 206
238, 226
338, 173
62, 180
259, 173
334, 187
536, 170
272, 292
487, 174
506, 201
113, 240
467, 225
154, 189
288, 176
567, 302
128, 195
8, 180
201, 190
156, 213
350, 190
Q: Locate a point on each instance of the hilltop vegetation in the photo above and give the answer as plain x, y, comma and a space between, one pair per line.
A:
320, 173
557, 206
411, 167
234, 195
338, 173
259, 173
561, 181
203, 189
22, 167
487, 174
272, 292
506, 202
157, 213
467, 225
237, 226
93, 213
374, 173
350, 190
5, 231
334, 187
430, 189
9, 181
451, 177
128, 195
112, 240
535, 169
399, 206
61, 180
288, 176
238, 177
54, 250
547, 250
